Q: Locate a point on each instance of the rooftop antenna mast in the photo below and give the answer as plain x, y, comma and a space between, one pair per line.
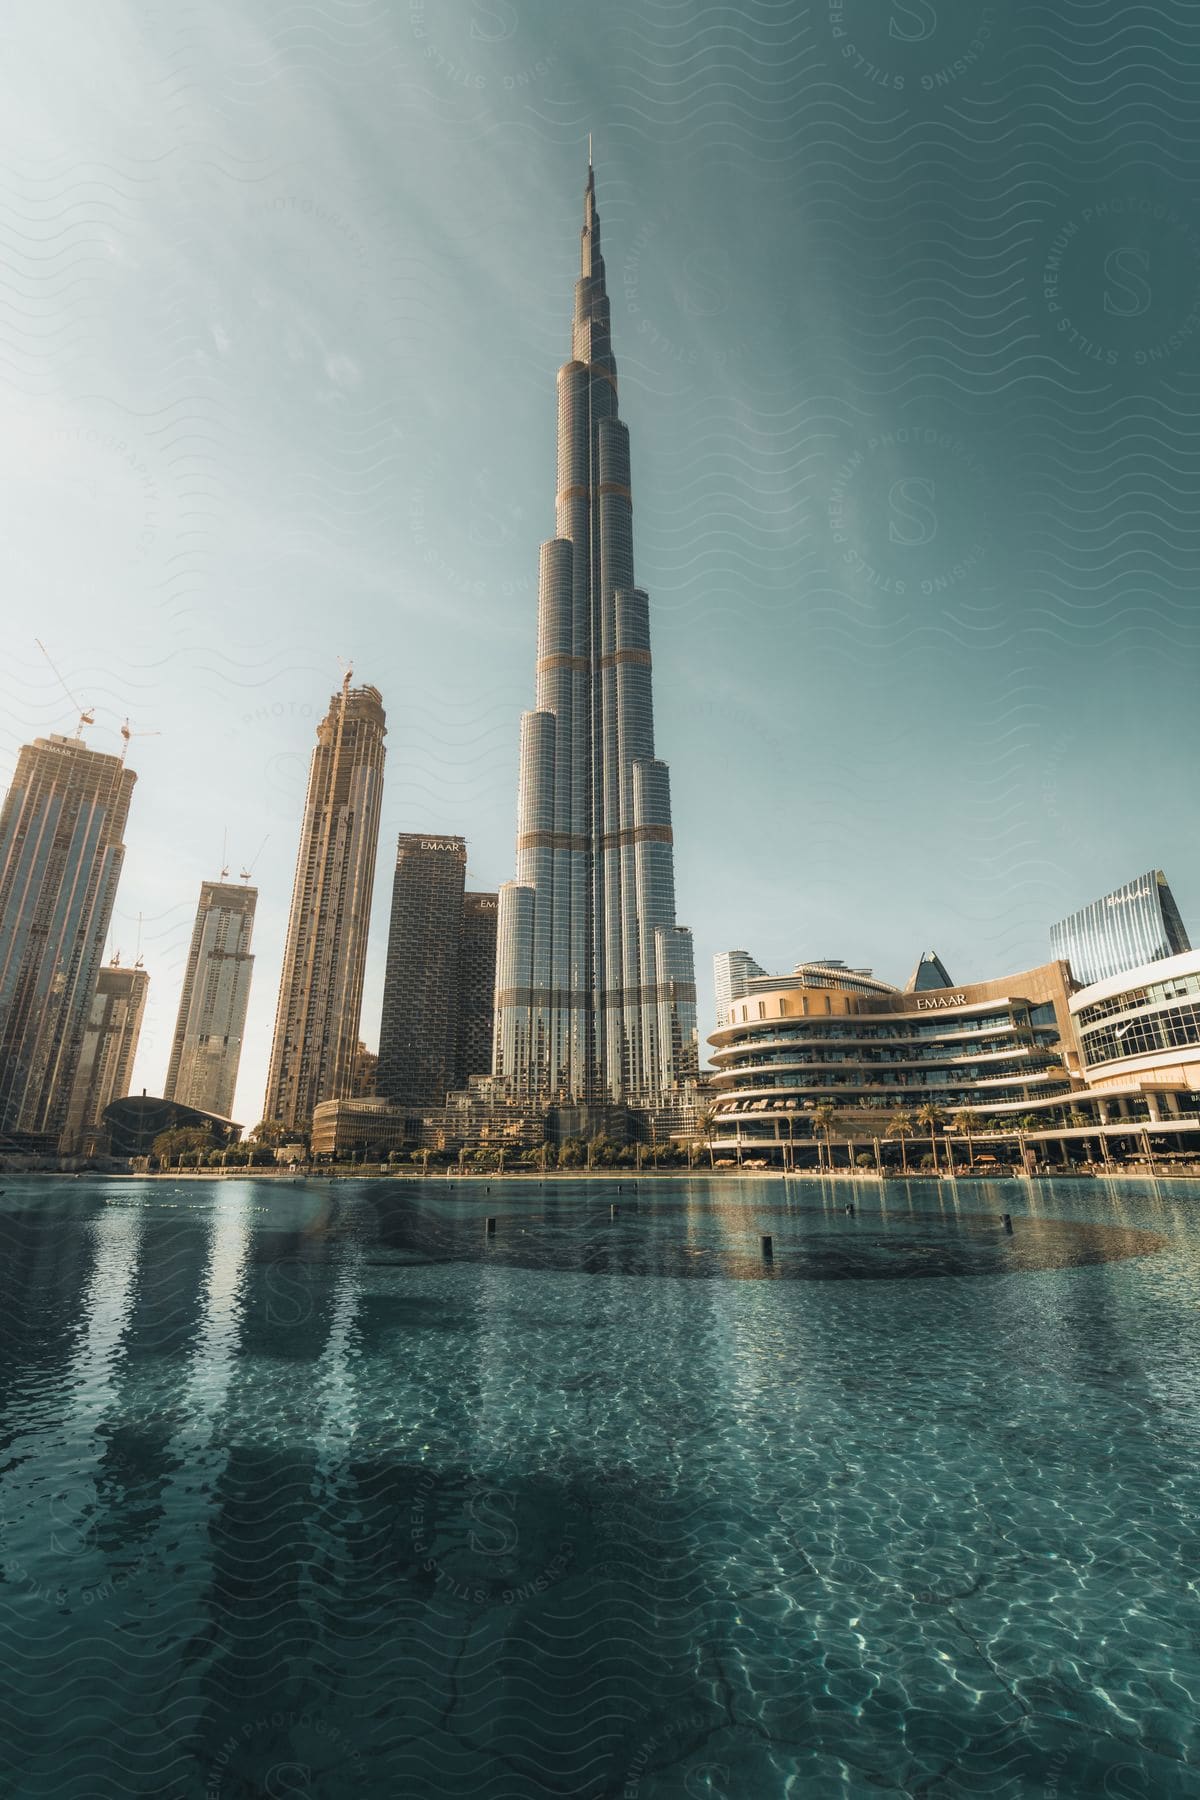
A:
137, 960
224, 853
86, 717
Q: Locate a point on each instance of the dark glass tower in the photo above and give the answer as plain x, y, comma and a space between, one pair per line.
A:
439, 985
476, 989
1136, 924
595, 986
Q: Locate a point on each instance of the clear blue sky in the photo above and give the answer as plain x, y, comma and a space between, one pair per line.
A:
906, 302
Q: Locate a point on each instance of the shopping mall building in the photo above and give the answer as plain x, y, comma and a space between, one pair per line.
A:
1042, 1068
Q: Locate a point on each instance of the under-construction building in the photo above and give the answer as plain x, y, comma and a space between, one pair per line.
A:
207, 1047
61, 851
110, 1041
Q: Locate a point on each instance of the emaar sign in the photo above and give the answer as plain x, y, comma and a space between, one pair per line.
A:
940, 1000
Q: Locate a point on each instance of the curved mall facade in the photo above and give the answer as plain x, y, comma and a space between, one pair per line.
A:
989, 1048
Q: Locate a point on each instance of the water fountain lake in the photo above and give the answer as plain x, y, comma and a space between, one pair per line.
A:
322, 1489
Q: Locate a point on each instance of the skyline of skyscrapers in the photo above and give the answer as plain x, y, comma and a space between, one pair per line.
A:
61, 852
321, 984
206, 1049
110, 1043
593, 997
596, 995
439, 983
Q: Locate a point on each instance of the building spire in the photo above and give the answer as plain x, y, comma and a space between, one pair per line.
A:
595, 989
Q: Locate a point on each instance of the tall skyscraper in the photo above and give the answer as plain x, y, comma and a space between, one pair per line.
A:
207, 1047
1136, 924
440, 982
596, 992
110, 1041
320, 989
476, 988
732, 970
61, 851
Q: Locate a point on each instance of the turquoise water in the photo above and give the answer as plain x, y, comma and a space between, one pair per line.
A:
319, 1490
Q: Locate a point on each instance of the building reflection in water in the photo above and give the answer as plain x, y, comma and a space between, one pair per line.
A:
53, 1468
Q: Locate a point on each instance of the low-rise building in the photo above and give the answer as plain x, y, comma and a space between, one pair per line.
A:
992, 1048
362, 1124
132, 1123
1139, 1033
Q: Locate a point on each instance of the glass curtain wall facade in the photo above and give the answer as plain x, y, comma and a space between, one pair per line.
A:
206, 1050
61, 851
324, 960
595, 981
1136, 924
1151, 1022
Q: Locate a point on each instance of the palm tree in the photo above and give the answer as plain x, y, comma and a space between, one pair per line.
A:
931, 1117
824, 1118
705, 1125
901, 1126
962, 1123
270, 1131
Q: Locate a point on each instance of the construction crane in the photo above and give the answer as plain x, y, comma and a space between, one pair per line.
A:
246, 873
126, 734
87, 716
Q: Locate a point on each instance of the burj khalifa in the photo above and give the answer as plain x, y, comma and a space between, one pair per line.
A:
595, 981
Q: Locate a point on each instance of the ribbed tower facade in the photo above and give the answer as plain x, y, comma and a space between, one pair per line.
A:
324, 961
206, 1050
595, 984
1137, 923
61, 850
